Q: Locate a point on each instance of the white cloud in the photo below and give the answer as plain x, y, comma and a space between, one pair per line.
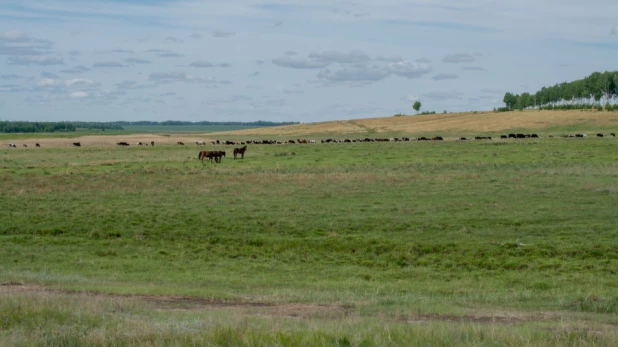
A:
444, 76
76, 70
221, 33
202, 63
352, 57
137, 61
129, 84
107, 64
170, 77
78, 95
36, 60
124, 51
474, 68
409, 69
393, 59
11, 76
443, 95
300, 63
459, 58
356, 75
52, 83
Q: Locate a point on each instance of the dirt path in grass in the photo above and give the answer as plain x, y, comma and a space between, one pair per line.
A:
293, 310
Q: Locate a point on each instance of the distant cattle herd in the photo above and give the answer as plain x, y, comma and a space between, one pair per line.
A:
215, 156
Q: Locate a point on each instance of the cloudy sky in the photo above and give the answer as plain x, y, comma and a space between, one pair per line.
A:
307, 61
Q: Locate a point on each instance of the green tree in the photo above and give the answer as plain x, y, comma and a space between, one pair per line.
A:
417, 105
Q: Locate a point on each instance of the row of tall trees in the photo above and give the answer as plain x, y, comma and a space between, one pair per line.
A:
598, 89
35, 127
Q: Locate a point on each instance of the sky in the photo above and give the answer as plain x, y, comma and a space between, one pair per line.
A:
304, 61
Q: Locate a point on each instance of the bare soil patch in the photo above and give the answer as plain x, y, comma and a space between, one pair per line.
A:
190, 303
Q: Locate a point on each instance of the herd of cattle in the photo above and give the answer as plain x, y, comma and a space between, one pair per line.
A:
301, 141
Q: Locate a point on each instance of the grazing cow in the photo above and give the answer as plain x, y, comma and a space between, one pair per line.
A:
37, 145
180, 143
152, 143
200, 143
122, 143
77, 144
613, 134
503, 137
240, 151
534, 136
25, 145
12, 145
438, 138
512, 136
521, 136
140, 144
580, 135
600, 135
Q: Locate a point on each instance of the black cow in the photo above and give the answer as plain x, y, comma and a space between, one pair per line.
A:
600, 135
503, 136
77, 144
37, 145
534, 136
122, 144
512, 136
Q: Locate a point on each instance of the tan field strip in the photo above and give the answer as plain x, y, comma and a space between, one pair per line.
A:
453, 122
108, 140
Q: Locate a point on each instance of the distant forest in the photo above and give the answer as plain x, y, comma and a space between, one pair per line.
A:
595, 91
259, 123
50, 127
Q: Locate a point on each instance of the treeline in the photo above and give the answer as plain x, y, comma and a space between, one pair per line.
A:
259, 123
99, 125
595, 91
35, 127
53, 127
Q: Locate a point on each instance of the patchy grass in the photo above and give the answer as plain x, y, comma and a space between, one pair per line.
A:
454, 235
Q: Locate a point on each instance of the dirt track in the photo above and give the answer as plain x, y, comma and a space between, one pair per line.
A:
293, 310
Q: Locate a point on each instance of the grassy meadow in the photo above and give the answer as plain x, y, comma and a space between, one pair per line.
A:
503, 242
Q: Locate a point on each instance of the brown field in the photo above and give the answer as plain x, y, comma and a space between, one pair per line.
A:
453, 122
108, 140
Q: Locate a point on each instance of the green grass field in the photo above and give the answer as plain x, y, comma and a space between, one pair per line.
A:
425, 243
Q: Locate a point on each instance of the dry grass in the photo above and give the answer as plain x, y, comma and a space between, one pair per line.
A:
108, 140
479, 122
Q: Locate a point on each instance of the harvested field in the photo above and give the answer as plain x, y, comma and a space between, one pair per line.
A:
108, 140
453, 122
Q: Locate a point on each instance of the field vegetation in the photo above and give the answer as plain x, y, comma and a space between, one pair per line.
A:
503, 242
